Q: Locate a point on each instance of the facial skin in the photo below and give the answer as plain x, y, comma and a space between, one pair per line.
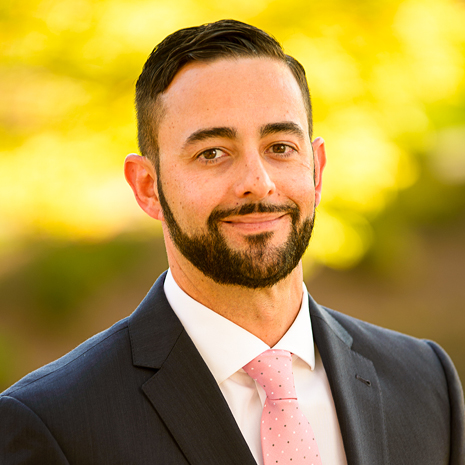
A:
233, 138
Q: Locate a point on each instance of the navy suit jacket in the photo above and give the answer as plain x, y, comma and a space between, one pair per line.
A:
140, 393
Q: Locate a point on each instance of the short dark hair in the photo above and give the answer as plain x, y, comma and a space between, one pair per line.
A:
222, 39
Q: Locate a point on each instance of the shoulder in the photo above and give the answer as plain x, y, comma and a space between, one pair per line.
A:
395, 355
372, 340
101, 350
417, 379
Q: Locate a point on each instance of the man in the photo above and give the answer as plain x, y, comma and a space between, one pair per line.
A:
228, 167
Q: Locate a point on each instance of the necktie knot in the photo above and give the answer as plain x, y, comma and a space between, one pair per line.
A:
273, 371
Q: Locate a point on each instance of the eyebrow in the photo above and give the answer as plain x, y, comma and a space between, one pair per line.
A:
210, 133
231, 133
285, 126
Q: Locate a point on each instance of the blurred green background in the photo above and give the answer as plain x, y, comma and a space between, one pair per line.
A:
388, 86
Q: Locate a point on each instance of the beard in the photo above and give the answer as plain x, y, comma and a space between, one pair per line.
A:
260, 265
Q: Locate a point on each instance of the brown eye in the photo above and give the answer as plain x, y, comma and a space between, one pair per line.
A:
210, 154
279, 148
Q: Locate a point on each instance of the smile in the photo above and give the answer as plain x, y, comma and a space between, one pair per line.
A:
255, 222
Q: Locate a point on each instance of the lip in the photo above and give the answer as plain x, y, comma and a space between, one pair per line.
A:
255, 222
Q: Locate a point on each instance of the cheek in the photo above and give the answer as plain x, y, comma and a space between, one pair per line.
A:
191, 203
299, 187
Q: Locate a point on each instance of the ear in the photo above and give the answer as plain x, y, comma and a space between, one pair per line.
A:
319, 160
142, 177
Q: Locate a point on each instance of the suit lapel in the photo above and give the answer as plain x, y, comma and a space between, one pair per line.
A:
183, 391
355, 389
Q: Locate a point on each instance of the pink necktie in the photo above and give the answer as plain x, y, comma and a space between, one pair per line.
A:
287, 436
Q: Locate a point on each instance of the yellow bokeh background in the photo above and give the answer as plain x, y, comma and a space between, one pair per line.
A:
68, 72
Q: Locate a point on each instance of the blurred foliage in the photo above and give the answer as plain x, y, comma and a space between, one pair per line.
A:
388, 87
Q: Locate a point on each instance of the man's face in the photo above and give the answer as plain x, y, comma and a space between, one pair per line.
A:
236, 174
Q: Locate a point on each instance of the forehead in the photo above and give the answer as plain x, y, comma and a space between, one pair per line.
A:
235, 92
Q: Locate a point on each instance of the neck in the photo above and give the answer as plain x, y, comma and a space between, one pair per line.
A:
266, 313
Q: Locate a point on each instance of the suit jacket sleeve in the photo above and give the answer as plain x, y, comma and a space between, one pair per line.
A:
457, 409
24, 439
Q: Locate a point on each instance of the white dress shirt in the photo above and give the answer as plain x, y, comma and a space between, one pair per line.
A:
226, 348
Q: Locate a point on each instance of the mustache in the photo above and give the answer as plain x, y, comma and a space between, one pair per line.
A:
219, 214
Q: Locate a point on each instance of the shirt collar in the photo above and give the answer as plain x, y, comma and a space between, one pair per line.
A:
225, 346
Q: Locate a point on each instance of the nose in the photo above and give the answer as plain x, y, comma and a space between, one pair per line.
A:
253, 180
